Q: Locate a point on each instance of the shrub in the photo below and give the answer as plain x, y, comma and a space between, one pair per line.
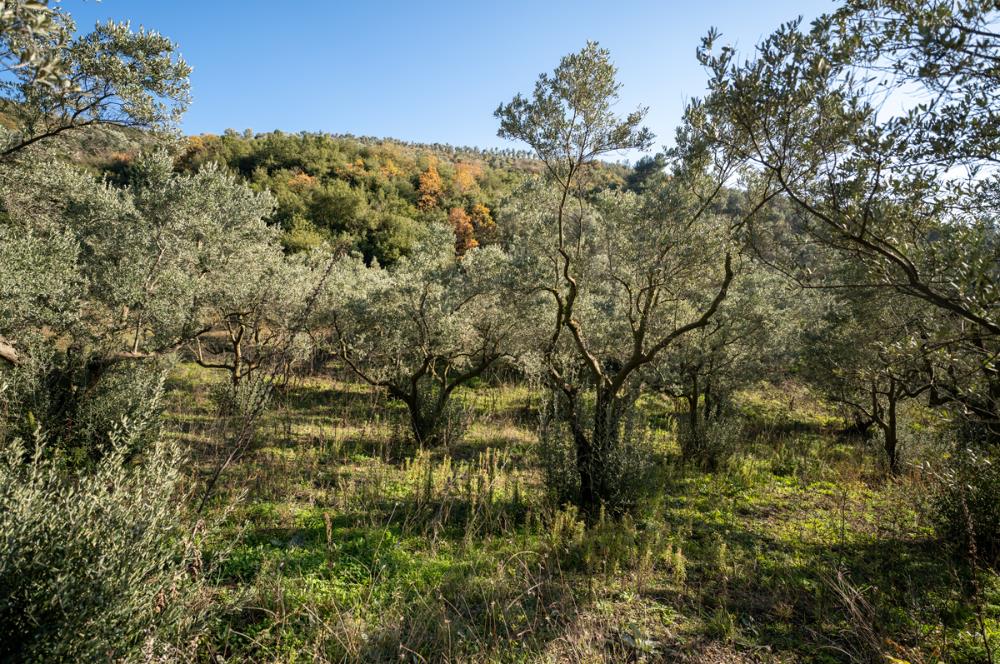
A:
60, 395
133, 393
245, 400
712, 443
96, 563
968, 507
557, 459
624, 464
445, 425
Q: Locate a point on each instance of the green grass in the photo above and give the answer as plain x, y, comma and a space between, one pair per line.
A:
350, 545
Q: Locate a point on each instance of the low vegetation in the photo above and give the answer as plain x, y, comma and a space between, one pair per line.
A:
353, 544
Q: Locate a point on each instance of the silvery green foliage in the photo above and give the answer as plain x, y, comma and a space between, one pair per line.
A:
100, 278
752, 337
426, 326
61, 82
625, 464
132, 270
625, 275
48, 394
619, 244
878, 121
570, 118
640, 273
864, 352
135, 396
29, 41
644, 278
39, 283
261, 310
97, 565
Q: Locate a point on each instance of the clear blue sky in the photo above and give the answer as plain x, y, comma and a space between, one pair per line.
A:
427, 71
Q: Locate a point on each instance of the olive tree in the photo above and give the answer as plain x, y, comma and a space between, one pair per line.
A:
52, 83
863, 351
424, 327
98, 562
625, 275
23, 26
751, 338
260, 310
55, 81
100, 276
879, 123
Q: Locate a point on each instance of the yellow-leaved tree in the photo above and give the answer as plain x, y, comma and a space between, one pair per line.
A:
430, 186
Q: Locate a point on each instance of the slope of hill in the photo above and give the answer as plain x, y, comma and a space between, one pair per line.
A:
356, 193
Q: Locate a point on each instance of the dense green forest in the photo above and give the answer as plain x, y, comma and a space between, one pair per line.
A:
286, 397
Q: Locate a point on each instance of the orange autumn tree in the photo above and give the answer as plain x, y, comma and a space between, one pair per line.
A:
301, 181
482, 221
464, 233
430, 186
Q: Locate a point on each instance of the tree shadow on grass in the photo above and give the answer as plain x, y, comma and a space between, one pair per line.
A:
824, 601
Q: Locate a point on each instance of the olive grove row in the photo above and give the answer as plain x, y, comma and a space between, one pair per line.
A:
792, 227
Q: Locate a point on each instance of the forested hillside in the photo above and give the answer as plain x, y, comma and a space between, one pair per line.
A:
373, 196
352, 193
286, 397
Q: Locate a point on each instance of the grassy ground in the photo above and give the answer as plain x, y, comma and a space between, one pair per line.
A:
352, 546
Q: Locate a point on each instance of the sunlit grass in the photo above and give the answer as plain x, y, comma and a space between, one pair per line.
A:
355, 545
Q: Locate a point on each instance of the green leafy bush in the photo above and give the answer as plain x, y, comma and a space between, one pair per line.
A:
624, 465
712, 443
61, 395
968, 508
97, 564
